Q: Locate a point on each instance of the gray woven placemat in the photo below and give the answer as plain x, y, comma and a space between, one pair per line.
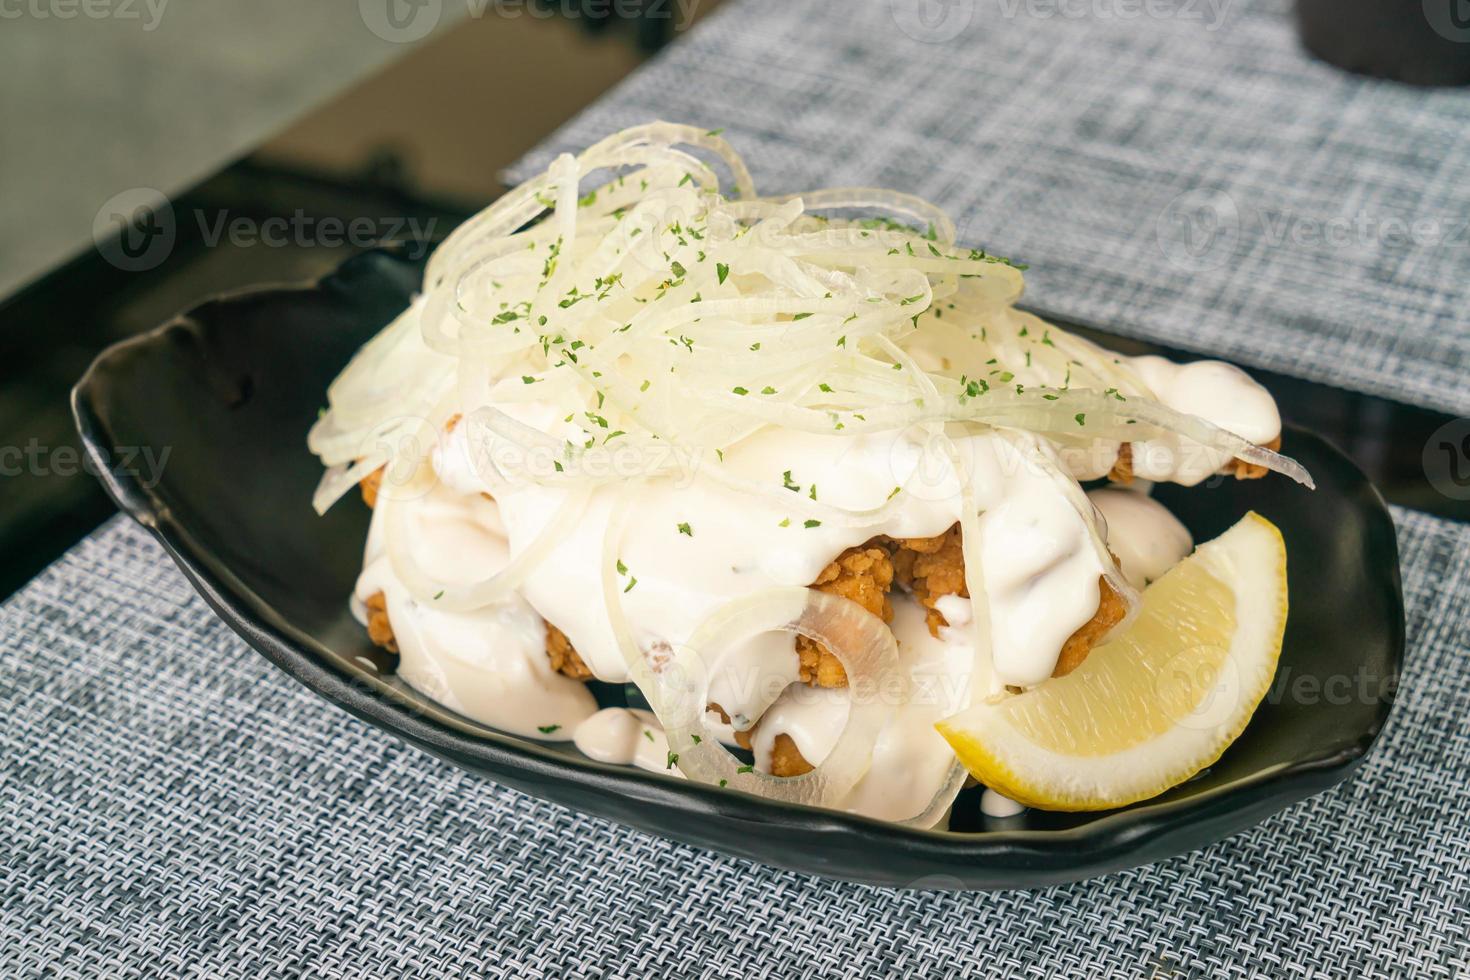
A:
1184, 176
175, 806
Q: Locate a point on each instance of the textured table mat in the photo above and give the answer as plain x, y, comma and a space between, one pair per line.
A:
174, 805
1190, 177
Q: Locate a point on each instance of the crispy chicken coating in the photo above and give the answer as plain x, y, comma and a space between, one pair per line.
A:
370, 485
564, 658
864, 575
380, 631
928, 568
1122, 471
1111, 609
786, 758
932, 568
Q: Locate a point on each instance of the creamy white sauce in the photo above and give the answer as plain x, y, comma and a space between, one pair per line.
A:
1219, 392
1040, 567
489, 664
626, 737
1215, 391
1147, 539
993, 804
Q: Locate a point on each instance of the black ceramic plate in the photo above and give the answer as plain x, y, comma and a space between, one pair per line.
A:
232, 387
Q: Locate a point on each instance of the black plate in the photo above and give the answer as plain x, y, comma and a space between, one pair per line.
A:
232, 387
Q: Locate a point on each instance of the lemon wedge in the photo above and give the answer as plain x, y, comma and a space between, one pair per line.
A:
1151, 708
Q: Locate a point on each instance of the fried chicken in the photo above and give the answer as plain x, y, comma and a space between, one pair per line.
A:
786, 758
370, 485
864, 575
564, 658
380, 631
931, 568
1111, 609
1122, 471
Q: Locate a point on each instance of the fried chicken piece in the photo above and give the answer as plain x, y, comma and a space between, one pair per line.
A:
786, 758
370, 485
935, 567
564, 658
1122, 471
380, 631
864, 575
1110, 612
931, 568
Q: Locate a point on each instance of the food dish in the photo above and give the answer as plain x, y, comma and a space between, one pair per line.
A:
233, 384
807, 478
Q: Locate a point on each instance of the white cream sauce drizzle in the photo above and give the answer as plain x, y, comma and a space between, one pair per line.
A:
1215, 391
626, 737
1147, 539
489, 664
998, 806
1039, 564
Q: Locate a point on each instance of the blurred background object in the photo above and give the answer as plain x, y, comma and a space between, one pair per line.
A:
1422, 42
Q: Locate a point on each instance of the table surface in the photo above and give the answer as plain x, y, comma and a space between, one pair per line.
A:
156, 95
177, 806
